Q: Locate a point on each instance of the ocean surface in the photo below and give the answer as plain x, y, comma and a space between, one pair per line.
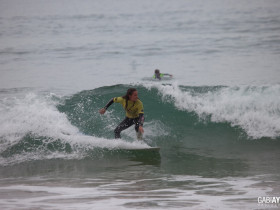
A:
216, 121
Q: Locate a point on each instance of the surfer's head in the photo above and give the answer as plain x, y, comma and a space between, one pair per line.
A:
131, 94
157, 74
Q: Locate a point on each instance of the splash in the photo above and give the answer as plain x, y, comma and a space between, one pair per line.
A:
254, 109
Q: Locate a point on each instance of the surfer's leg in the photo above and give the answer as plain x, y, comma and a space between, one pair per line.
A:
126, 123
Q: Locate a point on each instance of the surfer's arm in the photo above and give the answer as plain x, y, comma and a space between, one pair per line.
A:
141, 122
109, 104
168, 75
103, 110
141, 119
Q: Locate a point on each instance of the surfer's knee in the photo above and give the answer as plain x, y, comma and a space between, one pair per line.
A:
117, 130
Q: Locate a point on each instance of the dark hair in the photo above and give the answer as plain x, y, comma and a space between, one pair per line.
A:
157, 71
129, 92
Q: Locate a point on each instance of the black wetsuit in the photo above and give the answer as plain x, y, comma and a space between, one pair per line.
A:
126, 123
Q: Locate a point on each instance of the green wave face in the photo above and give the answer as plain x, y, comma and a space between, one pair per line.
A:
174, 112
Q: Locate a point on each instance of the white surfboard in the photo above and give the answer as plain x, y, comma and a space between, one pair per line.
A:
155, 149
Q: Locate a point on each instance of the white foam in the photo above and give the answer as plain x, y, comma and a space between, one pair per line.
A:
32, 114
255, 109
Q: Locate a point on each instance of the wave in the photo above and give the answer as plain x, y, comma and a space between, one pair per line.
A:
254, 109
47, 126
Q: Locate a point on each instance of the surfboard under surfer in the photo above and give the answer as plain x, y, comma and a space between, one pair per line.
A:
134, 112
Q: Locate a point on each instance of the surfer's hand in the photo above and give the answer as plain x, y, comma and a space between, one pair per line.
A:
141, 129
102, 111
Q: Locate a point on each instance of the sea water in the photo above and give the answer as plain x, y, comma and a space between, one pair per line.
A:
217, 120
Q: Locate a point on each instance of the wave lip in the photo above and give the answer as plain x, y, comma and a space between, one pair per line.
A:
254, 109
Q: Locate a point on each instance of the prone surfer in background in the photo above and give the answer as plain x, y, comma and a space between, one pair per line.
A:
134, 112
159, 75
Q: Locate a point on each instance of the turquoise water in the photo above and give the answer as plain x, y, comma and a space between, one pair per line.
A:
216, 121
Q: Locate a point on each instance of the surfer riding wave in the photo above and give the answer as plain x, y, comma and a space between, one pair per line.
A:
134, 112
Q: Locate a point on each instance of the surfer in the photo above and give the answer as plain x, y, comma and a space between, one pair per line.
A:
134, 112
159, 75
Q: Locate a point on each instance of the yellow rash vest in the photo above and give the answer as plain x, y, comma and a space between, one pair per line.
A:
133, 109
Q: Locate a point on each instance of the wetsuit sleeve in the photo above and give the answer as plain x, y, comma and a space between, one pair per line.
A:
114, 100
141, 115
141, 119
109, 103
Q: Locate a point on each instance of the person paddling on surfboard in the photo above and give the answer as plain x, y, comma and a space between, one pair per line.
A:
159, 75
134, 112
